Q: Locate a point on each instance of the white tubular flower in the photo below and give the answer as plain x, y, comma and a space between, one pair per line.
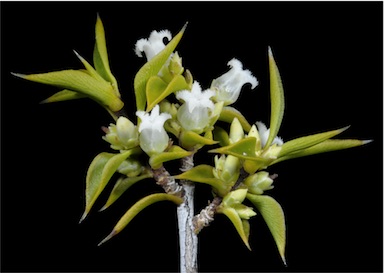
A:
153, 138
195, 113
153, 45
228, 86
264, 134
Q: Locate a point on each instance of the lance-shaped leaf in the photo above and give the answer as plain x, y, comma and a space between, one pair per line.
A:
323, 147
63, 96
103, 166
89, 68
204, 174
229, 113
157, 89
191, 139
274, 218
244, 149
82, 82
100, 55
121, 186
137, 208
277, 99
308, 141
175, 152
220, 135
152, 68
242, 230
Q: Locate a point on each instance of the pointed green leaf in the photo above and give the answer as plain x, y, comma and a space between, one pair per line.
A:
81, 82
152, 68
175, 152
220, 135
274, 218
204, 174
190, 139
137, 208
242, 230
121, 186
323, 147
157, 90
101, 55
63, 96
92, 72
308, 141
229, 113
103, 166
277, 99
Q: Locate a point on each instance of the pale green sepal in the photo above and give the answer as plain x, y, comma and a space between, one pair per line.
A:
157, 90
137, 208
307, 141
121, 186
328, 145
103, 166
175, 152
277, 99
220, 135
204, 174
81, 82
228, 113
152, 68
101, 55
242, 230
189, 140
274, 218
63, 96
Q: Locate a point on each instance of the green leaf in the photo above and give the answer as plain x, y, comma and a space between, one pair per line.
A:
242, 230
244, 149
274, 218
191, 139
121, 186
277, 99
152, 68
204, 174
221, 136
100, 55
229, 113
137, 208
157, 90
103, 166
308, 141
92, 72
82, 82
323, 147
175, 152
63, 96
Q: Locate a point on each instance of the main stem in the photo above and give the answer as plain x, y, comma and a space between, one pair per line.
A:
185, 212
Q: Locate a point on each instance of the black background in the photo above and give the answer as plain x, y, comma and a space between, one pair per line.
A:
330, 58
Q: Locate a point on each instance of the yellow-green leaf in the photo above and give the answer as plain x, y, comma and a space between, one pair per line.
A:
242, 230
191, 139
274, 218
152, 68
308, 141
277, 99
103, 166
121, 186
228, 113
63, 96
323, 147
220, 135
157, 89
82, 82
89, 68
175, 152
100, 55
137, 208
204, 174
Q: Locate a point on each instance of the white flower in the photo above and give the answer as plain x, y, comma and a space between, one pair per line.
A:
126, 130
153, 45
195, 113
228, 85
264, 134
153, 138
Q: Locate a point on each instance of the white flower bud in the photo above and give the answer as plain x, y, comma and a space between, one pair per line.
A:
126, 130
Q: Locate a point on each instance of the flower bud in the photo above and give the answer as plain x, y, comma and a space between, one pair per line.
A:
244, 211
259, 182
130, 167
126, 130
236, 131
235, 197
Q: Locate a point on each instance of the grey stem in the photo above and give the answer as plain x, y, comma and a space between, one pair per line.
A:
185, 212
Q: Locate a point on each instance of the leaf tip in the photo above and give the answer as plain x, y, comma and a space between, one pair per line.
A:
113, 233
185, 26
83, 217
345, 128
270, 52
363, 142
19, 75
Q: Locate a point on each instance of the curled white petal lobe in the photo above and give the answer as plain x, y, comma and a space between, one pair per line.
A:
154, 120
153, 45
264, 134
